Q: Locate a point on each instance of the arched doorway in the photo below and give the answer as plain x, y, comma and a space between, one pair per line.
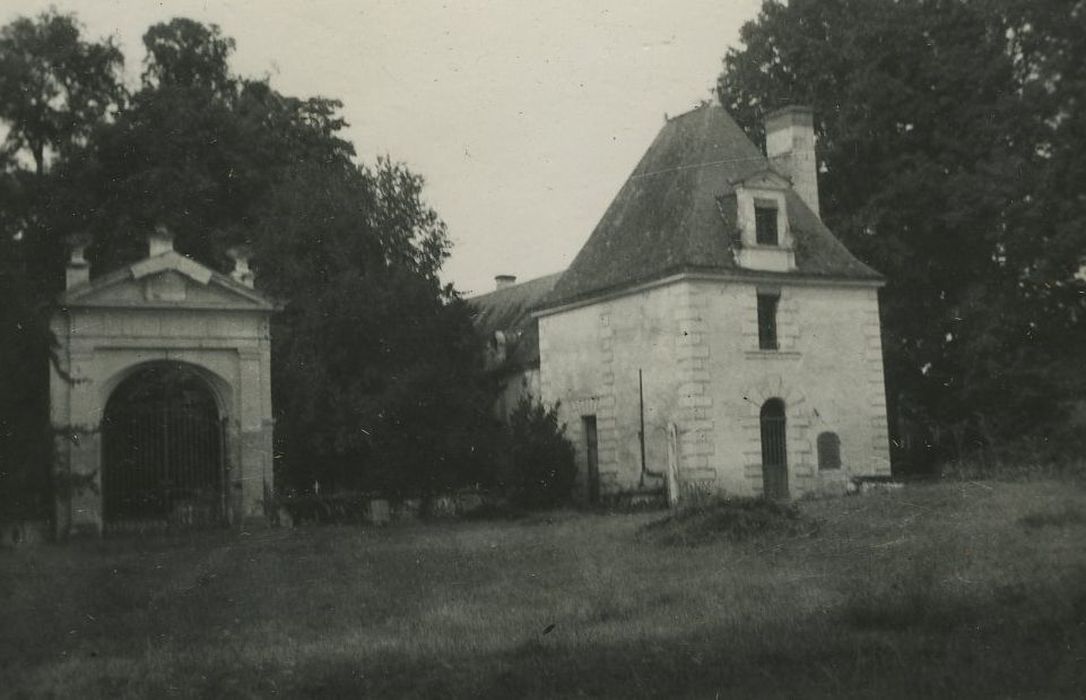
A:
162, 451
774, 450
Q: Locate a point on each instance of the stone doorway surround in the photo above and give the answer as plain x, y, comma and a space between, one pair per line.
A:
164, 308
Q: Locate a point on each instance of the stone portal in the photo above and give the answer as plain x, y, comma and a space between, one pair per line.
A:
161, 396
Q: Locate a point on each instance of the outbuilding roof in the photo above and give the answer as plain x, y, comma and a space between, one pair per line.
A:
509, 310
677, 212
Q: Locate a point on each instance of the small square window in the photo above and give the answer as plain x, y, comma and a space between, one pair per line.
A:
765, 224
767, 321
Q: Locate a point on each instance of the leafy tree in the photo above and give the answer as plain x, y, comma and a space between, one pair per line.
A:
187, 54
378, 379
25, 438
54, 87
939, 125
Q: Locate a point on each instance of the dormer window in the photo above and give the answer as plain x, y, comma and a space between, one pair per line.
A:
762, 216
765, 222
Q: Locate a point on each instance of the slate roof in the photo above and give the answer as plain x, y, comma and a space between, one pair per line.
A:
677, 213
509, 310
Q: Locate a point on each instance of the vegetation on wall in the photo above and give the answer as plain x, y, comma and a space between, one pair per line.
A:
950, 141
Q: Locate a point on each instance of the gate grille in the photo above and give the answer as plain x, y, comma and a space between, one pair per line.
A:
162, 453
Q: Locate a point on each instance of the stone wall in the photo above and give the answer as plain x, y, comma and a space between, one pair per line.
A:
696, 344
589, 360
828, 371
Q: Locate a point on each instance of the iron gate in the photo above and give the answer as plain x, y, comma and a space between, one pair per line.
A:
163, 453
774, 450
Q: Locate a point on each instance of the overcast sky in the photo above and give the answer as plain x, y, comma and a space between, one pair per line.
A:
524, 117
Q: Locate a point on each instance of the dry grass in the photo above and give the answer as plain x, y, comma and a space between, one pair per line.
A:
932, 591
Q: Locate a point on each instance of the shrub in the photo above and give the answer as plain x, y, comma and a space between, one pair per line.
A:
539, 470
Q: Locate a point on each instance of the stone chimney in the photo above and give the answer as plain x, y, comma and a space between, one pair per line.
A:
242, 272
790, 147
503, 281
78, 271
159, 242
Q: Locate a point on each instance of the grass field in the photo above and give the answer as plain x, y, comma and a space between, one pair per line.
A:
967, 589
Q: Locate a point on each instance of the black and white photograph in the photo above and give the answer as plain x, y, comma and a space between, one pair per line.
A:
509, 349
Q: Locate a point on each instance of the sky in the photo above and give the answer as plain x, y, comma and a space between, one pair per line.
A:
524, 117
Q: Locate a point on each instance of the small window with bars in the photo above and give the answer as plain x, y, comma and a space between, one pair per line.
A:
767, 320
829, 452
765, 222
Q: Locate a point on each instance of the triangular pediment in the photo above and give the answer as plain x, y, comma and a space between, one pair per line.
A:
167, 280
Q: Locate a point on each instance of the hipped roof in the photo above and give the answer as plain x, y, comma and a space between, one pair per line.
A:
677, 213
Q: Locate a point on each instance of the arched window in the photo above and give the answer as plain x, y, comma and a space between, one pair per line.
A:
774, 450
829, 451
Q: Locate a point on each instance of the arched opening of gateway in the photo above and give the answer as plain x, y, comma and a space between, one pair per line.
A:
163, 451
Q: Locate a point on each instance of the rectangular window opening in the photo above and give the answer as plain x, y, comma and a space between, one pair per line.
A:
765, 223
767, 321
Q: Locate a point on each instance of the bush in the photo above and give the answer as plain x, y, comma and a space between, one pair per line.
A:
736, 520
540, 469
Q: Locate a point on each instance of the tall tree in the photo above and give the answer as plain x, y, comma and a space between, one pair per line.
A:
54, 87
185, 53
935, 155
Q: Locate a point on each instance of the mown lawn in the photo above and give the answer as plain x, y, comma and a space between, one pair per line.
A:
970, 589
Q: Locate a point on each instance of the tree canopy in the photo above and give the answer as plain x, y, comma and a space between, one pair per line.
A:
54, 87
947, 138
